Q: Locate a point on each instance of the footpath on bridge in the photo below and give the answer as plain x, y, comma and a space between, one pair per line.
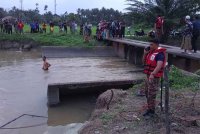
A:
170, 49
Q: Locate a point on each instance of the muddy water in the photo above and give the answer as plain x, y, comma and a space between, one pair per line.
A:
23, 90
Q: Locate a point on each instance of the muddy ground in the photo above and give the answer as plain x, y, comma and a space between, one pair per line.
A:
125, 114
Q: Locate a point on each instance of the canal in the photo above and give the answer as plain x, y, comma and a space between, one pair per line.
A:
23, 90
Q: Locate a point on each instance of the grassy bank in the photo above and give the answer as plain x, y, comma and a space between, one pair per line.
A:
126, 109
55, 39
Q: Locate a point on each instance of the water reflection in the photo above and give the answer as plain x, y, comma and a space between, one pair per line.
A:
73, 109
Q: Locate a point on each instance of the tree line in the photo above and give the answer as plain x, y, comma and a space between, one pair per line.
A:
139, 12
93, 16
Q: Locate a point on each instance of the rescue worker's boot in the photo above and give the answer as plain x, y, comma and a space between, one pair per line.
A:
149, 113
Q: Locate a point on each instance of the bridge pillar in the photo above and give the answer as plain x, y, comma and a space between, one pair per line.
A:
53, 95
119, 49
135, 55
184, 63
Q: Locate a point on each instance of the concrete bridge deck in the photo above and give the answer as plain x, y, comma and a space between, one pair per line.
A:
56, 90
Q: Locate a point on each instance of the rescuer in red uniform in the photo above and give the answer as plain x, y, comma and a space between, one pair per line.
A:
154, 60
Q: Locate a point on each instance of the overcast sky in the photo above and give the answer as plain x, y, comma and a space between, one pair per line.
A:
65, 5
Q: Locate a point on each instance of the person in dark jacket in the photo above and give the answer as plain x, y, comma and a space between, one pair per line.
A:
186, 44
196, 33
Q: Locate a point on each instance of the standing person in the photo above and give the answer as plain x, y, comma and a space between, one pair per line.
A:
187, 36
158, 27
81, 29
196, 33
1, 26
123, 26
113, 27
60, 24
6, 26
118, 30
154, 59
75, 27
87, 32
44, 27
9, 28
20, 26
65, 26
71, 27
37, 25
51, 27
46, 65
15, 26
32, 25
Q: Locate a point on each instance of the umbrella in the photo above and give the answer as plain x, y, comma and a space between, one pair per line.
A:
10, 18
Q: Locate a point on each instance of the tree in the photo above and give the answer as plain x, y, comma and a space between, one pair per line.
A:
93, 16
170, 9
48, 16
147, 10
167, 8
2, 13
37, 8
45, 8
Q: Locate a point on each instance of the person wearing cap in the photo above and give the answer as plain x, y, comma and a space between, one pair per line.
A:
154, 60
186, 44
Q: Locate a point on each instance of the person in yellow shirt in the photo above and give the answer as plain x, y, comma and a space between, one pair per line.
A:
51, 27
44, 27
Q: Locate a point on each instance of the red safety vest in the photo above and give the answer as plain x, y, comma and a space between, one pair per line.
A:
151, 63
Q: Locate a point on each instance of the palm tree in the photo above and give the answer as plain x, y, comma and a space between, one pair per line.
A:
36, 6
168, 8
45, 8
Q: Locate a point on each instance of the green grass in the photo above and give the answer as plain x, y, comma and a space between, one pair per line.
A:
55, 39
180, 81
107, 117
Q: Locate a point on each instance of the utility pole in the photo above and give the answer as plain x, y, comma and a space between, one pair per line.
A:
55, 6
21, 4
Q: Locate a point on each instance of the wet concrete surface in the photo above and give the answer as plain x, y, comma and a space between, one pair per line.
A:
23, 90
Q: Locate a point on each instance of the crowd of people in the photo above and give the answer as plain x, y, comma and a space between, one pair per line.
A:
110, 29
7, 26
190, 33
113, 29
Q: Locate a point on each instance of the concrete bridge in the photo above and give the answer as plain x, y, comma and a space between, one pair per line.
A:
56, 90
132, 50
